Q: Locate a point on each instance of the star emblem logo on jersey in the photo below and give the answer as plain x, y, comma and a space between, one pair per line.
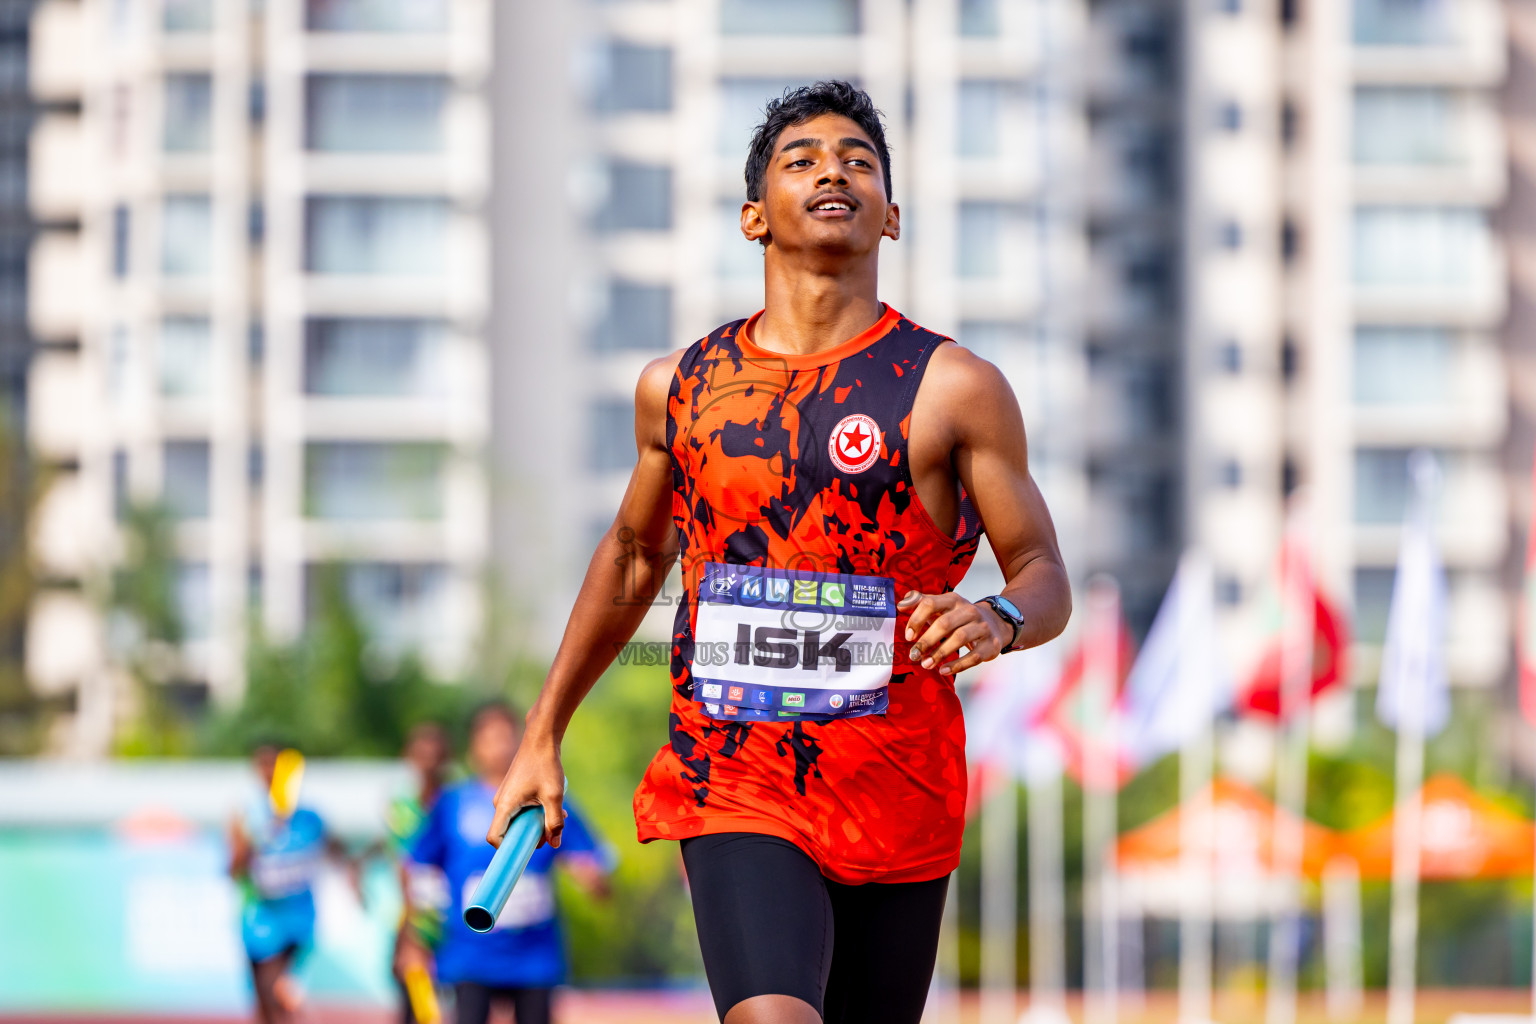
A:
836, 700
855, 443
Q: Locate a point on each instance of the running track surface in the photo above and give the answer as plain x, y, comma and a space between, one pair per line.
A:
693, 1007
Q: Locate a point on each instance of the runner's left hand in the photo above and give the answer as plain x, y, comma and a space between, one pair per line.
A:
941, 624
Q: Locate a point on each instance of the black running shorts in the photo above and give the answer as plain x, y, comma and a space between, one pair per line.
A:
770, 923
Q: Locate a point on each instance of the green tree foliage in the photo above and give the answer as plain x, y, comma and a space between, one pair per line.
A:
145, 629
23, 716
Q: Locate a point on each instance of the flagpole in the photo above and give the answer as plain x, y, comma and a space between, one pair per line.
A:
1298, 616
1047, 908
1411, 696
999, 903
1100, 908
1195, 771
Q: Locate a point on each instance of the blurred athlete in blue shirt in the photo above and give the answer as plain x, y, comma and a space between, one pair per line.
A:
276, 859
522, 959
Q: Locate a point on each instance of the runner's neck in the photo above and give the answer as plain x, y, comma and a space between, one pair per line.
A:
806, 311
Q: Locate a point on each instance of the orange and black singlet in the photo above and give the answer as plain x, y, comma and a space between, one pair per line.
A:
795, 710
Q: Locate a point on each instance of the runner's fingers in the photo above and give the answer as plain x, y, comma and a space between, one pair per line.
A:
965, 636
943, 627
982, 647
926, 609
554, 818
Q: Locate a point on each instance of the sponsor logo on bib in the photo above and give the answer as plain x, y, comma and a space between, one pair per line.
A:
712, 690
855, 443
836, 700
794, 700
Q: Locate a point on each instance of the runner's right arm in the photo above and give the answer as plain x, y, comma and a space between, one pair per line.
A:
626, 571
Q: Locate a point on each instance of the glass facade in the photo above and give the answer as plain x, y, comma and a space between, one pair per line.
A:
186, 236
373, 480
1417, 246
390, 235
188, 112
1404, 22
611, 435
186, 357
637, 316
639, 198
376, 15
632, 78
374, 357
1408, 126
741, 109
789, 17
185, 481
350, 113
1403, 365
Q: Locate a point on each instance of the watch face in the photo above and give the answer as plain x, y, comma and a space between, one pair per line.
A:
1009, 607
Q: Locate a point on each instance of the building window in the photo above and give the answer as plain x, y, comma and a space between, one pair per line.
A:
1228, 6
979, 18
194, 606
1230, 474
386, 235
633, 78
789, 17
994, 340
376, 15
1230, 235
1373, 603
1403, 365
186, 357
611, 435
185, 474
637, 316
1229, 116
1418, 246
1382, 484
188, 113
987, 237
186, 15
350, 113
1403, 22
1420, 126
1229, 590
120, 238
122, 498
1230, 357
374, 356
639, 198
186, 236
980, 121
741, 108
402, 605
372, 480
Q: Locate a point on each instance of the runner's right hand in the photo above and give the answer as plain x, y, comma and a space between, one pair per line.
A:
535, 778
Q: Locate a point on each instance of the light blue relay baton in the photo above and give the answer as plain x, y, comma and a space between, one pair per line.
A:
496, 885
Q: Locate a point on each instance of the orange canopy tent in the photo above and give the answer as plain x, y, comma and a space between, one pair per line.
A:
1239, 824
1464, 836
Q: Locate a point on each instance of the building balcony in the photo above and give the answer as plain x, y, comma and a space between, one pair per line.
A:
55, 52
1429, 41
56, 401
55, 275
56, 168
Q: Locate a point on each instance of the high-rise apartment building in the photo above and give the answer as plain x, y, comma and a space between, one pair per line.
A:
265, 310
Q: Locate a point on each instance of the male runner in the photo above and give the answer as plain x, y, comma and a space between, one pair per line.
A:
823, 470
522, 959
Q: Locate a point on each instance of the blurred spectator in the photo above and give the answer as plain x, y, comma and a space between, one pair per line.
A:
428, 751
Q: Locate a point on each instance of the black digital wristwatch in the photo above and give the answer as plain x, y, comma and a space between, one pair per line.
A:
1009, 613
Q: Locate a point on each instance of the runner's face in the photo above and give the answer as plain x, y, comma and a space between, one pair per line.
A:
824, 190
264, 760
492, 746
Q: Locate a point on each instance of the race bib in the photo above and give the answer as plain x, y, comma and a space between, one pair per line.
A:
773, 644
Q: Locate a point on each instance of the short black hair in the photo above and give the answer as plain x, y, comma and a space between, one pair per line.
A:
493, 708
797, 106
